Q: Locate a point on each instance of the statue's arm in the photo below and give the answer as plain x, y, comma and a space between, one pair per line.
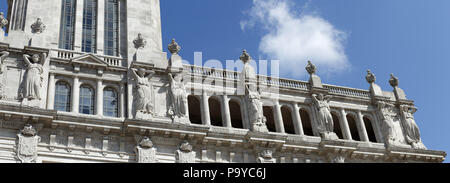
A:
43, 58
26, 58
3, 54
133, 72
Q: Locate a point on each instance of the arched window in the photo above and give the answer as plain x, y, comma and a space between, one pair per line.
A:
236, 115
287, 120
87, 100
111, 27
110, 103
195, 115
370, 130
353, 128
89, 39
337, 126
67, 31
215, 112
306, 122
270, 120
62, 96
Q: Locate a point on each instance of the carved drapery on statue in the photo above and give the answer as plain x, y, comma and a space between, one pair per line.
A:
325, 124
145, 152
143, 93
27, 146
178, 108
185, 154
3, 56
254, 108
32, 85
411, 130
389, 115
266, 157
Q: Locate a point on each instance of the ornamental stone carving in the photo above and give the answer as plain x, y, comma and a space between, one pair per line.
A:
185, 154
3, 21
266, 157
3, 56
254, 107
411, 130
178, 108
248, 71
325, 124
336, 159
174, 48
311, 68
139, 42
143, 94
370, 77
27, 146
38, 26
388, 114
394, 81
32, 85
145, 152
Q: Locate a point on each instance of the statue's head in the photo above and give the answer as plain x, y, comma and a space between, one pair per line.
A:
141, 72
35, 58
28, 130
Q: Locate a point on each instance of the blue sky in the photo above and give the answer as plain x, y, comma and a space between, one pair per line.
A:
410, 38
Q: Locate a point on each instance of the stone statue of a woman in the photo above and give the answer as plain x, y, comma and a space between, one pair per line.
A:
324, 113
254, 107
3, 56
411, 129
143, 97
34, 78
178, 96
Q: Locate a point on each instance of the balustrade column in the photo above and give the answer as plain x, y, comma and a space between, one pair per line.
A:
362, 128
99, 98
344, 125
75, 95
205, 109
226, 111
278, 118
298, 121
51, 92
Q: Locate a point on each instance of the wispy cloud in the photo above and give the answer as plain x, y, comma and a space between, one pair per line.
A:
296, 37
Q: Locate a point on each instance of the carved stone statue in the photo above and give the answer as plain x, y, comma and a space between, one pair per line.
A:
34, 78
311, 68
411, 129
139, 42
370, 77
254, 108
266, 157
174, 48
178, 97
394, 81
145, 152
38, 26
185, 154
387, 114
143, 95
27, 146
325, 119
3, 20
3, 56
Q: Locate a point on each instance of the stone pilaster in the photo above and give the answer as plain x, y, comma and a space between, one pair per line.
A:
75, 95
298, 120
344, 125
51, 92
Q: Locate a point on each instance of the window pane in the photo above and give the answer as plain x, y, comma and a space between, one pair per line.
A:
67, 29
62, 97
89, 42
110, 104
86, 100
111, 27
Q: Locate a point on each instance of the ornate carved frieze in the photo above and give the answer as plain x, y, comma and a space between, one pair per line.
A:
266, 156
145, 152
27, 145
185, 154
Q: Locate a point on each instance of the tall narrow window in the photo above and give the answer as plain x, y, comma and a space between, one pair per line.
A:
87, 100
89, 43
62, 97
110, 104
67, 31
111, 27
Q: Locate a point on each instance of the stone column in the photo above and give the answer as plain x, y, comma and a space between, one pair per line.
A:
51, 92
298, 121
122, 101
344, 126
99, 98
75, 95
78, 25
362, 128
226, 111
100, 26
205, 109
278, 118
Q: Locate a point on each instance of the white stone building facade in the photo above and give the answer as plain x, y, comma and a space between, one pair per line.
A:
88, 81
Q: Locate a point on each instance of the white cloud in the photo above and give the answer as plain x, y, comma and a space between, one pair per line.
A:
295, 38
